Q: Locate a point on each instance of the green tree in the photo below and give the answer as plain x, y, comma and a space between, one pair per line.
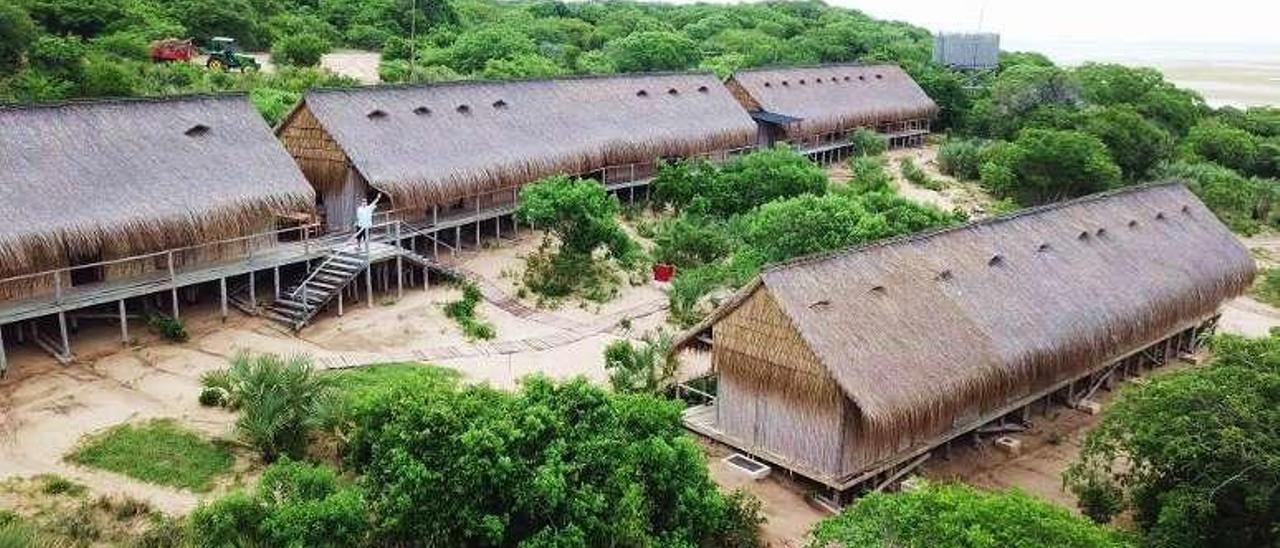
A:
961, 158
82, 18
1223, 145
17, 33
743, 183
1243, 203
1045, 165
521, 66
653, 50
958, 516
1200, 451
474, 49
578, 213
1025, 96
299, 50
1136, 144
549, 465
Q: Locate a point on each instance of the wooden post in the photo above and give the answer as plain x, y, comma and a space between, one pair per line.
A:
457, 240
435, 231
222, 285
497, 227
477, 222
253, 289
173, 285
275, 272
515, 200
399, 265
57, 288
340, 293
66, 341
4, 362
426, 278
368, 273
124, 324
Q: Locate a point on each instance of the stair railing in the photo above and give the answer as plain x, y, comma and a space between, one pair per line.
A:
302, 287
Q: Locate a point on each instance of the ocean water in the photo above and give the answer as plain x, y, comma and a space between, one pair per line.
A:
1225, 74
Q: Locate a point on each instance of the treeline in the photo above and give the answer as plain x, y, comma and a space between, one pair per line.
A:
1038, 133
58, 49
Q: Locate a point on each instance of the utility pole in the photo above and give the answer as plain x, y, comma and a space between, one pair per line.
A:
413, 41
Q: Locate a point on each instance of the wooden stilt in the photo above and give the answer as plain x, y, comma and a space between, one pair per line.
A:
66, 341
426, 278
368, 285
222, 287
497, 228
399, 277
340, 303
275, 276
124, 323
174, 295
4, 362
457, 240
253, 290
18, 329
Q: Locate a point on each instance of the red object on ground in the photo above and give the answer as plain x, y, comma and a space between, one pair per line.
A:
663, 272
172, 49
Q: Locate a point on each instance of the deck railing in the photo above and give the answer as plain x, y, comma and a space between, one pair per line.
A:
168, 263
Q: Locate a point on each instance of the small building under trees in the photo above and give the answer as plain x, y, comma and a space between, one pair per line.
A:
849, 368
818, 108
108, 200
455, 153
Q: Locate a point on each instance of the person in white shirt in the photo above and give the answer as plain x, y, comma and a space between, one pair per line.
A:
364, 218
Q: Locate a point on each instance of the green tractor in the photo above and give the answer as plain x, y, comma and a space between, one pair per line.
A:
225, 55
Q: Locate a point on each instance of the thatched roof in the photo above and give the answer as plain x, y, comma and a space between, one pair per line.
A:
136, 175
425, 144
835, 96
918, 329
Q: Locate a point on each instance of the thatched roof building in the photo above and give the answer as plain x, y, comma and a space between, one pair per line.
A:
88, 181
836, 363
815, 100
430, 144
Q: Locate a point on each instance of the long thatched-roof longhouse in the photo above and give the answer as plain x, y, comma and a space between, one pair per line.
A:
86, 182
817, 107
106, 200
846, 365
436, 145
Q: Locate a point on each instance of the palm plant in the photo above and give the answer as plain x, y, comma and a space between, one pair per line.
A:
646, 369
279, 399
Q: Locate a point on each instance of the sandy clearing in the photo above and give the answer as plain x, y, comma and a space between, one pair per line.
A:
48, 408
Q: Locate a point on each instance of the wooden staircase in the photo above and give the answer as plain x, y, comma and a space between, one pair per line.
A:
303, 301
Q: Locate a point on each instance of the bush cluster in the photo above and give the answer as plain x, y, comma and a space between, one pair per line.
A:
463, 311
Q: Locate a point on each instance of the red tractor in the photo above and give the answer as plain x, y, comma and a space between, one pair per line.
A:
171, 50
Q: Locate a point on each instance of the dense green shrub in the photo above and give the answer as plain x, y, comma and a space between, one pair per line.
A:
691, 240
1136, 144
868, 174
299, 50
743, 183
17, 33
549, 465
959, 516
1223, 145
212, 396
960, 158
867, 142
173, 329
1194, 453
652, 51
1045, 165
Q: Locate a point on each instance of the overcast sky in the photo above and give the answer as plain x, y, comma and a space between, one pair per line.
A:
1033, 21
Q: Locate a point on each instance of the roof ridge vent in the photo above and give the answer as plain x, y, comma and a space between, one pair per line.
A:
376, 114
1084, 235
673, 91
996, 260
703, 89
196, 130
1101, 232
422, 111
1159, 215
1044, 247
821, 304
1133, 223
944, 276
878, 289
642, 93
500, 104
464, 109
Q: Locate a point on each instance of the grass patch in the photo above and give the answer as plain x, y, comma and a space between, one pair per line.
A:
364, 381
159, 451
1267, 288
53, 484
